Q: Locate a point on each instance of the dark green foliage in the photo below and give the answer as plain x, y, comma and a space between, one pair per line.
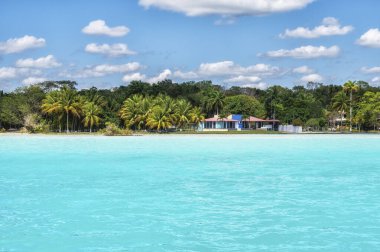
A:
244, 105
297, 122
315, 105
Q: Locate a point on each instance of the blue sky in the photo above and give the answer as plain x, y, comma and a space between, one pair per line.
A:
254, 43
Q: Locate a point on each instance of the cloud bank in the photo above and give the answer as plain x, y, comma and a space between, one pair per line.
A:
330, 26
16, 45
114, 50
99, 27
306, 52
226, 7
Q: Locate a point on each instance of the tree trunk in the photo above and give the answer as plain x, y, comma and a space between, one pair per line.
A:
351, 111
67, 122
90, 129
73, 124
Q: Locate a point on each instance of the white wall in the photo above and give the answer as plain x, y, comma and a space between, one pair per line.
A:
290, 128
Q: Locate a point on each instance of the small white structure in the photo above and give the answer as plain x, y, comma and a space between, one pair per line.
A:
290, 128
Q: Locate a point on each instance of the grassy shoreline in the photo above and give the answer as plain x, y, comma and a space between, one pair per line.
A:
143, 133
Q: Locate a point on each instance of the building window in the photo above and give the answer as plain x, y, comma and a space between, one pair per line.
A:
230, 125
209, 125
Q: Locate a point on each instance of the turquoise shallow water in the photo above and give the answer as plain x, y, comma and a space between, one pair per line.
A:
190, 193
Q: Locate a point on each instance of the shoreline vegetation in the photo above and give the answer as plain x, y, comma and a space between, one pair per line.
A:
165, 107
174, 133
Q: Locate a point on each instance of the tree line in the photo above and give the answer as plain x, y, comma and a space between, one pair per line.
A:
58, 106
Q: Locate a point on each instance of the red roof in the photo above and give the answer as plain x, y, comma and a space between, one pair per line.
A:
249, 119
270, 120
255, 119
213, 119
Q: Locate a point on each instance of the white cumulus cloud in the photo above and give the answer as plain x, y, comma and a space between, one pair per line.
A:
376, 79
226, 7
216, 68
370, 39
303, 70
230, 72
99, 27
312, 78
185, 75
14, 72
109, 69
33, 80
330, 26
133, 77
231, 68
16, 45
43, 62
260, 85
244, 79
161, 76
114, 50
103, 70
370, 70
306, 52
8, 72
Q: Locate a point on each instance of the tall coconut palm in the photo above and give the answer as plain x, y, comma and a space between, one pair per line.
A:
340, 104
129, 110
91, 113
196, 115
70, 104
135, 111
182, 113
52, 105
166, 103
214, 101
97, 100
159, 119
350, 87
145, 108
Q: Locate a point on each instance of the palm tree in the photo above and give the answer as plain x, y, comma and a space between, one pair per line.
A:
159, 119
91, 113
128, 111
350, 87
70, 104
340, 104
168, 105
52, 105
213, 101
135, 111
145, 109
166, 102
182, 113
217, 101
98, 100
196, 115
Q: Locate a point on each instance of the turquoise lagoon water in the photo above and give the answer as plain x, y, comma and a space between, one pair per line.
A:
190, 193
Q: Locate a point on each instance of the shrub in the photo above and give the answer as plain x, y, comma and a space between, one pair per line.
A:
313, 123
24, 130
32, 124
41, 128
297, 122
113, 130
2, 130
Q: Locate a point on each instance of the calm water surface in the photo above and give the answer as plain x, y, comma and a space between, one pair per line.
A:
190, 193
